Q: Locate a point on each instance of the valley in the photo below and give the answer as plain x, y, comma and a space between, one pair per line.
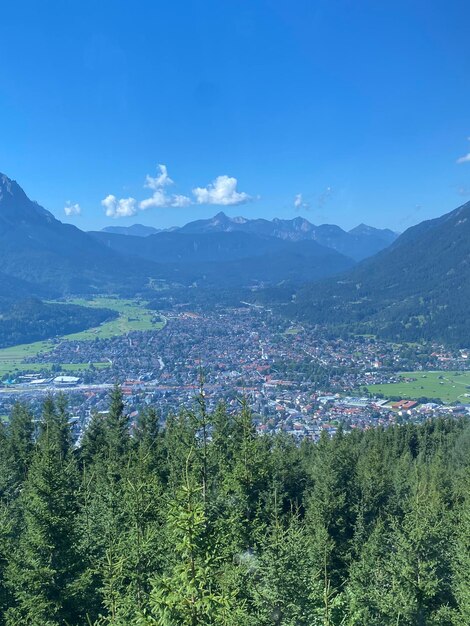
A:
283, 311
234, 313
295, 378
132, 315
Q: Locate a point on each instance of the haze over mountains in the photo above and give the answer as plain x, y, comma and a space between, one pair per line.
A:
417, 287
42, 256
138, 230
232, 258
358, 243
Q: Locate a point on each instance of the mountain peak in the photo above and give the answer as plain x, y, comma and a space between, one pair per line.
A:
362, 229
223, 218
356, 245
15, 204
9, 187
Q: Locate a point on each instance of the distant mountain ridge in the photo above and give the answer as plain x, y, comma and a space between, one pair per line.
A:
233, 257
137, 230
358, 243
361, 242
416, 288
43, 257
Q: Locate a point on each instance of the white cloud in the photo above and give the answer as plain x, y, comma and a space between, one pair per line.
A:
124, 207
180, 201
161, 180
465, 158
72, 209
159, 199
222, 191
299, 202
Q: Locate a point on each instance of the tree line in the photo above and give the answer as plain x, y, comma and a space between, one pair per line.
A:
33, 320
204, 523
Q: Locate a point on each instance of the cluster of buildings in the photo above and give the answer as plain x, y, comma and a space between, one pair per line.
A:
295, 378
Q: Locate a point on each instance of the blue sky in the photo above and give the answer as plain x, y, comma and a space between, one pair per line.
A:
362, 107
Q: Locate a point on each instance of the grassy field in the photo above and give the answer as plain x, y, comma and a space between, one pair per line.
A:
133, 315
448, 386
12, 358
15, 362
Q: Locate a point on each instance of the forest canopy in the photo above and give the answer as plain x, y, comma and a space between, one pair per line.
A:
204, 523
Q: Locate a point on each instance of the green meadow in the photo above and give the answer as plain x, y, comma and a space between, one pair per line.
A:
448, 386
132, 315
11, 359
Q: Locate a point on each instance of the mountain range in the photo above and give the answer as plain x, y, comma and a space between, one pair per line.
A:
231, 258
418, 288
41, 256
137, 230
358, 243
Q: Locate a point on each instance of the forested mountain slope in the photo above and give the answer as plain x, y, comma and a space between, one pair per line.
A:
234, 258
30, 319
419, 288
54, 257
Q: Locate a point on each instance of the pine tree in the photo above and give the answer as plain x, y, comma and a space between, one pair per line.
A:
106, 459
132, 553
6, 536
43, 569
403, 576
20, 443
191, 592
331, 505
93, 442
288, 585
117, 430
461, 557
5, 465
147, 433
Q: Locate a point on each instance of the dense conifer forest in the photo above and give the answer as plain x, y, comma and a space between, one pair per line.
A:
415, 290
204, 523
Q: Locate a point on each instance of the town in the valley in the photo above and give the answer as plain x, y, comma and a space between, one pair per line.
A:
295, 378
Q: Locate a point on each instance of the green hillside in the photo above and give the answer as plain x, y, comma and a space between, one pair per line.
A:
418, 289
